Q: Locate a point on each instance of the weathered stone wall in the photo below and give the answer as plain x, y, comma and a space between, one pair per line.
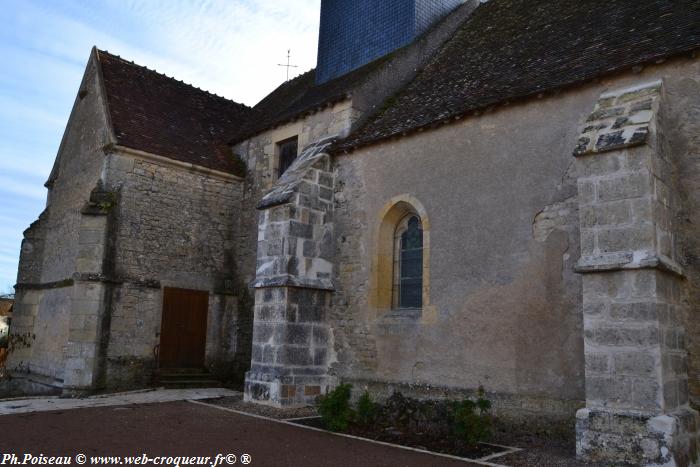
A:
175, 228
119, 227
289, 365
636, 379
682, 134
368, 97
293, 284
260, 152
78, 168
504, 306
51, 246
500, 193
261, 158
295, 232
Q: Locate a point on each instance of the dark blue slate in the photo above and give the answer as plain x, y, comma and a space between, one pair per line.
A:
356, 32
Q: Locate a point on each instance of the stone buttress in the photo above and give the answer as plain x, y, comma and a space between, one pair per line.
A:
293, 287
89, 319
637, 408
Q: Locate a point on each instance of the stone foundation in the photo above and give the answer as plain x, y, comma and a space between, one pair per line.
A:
518, 412
285, 390
290, 347
637, 438
28, 384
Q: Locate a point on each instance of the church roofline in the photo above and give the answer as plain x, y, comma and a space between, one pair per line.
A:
348, 145
163, 75
302, 96
508, 51
192, 129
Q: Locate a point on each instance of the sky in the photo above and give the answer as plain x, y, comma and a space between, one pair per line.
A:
228, 47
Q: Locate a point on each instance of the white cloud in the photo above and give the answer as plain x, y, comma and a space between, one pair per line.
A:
15, 187
232, 48
23, 162
229, 47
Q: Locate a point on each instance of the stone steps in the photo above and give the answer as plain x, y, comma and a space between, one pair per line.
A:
185, 378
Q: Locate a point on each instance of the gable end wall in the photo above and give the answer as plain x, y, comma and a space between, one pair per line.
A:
51, 246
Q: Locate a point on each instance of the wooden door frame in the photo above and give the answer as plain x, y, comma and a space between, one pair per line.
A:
195, 292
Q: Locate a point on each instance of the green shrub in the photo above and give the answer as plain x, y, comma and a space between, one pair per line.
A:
335, 409
468, 420
472, 421
367, 410
398, 410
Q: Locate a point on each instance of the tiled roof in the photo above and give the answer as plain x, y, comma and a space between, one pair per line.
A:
512, 49
154, 113
301, 95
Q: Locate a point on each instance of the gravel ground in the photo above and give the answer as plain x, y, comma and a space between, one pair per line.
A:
236, 403
538, 450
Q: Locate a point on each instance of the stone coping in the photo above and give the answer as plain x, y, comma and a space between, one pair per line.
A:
287, 280
627, 260
621, 119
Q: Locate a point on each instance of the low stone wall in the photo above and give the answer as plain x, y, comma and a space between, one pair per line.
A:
516, 411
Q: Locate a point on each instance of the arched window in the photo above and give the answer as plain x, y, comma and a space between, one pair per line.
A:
400, 272
407, 290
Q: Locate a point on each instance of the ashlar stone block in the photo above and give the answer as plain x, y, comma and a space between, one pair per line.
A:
636, 383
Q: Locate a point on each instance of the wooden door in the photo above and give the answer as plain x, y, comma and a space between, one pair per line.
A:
183, 335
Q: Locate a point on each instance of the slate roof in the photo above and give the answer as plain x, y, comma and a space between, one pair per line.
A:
160, 115
513, 49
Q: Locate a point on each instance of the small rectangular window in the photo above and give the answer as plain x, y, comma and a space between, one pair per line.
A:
287, 151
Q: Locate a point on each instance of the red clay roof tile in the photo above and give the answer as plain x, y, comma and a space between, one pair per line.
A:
160, 115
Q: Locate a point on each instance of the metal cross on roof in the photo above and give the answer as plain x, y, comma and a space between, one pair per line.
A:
289, 55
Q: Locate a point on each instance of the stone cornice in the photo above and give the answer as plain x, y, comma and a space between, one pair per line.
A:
45, 285
147, 156
627, 260
287, 280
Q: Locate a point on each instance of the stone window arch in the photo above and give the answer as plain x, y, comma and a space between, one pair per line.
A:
402, 218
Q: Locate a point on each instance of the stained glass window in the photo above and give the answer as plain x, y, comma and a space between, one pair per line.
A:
408, 264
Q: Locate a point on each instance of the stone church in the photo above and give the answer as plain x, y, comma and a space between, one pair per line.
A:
502, 194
